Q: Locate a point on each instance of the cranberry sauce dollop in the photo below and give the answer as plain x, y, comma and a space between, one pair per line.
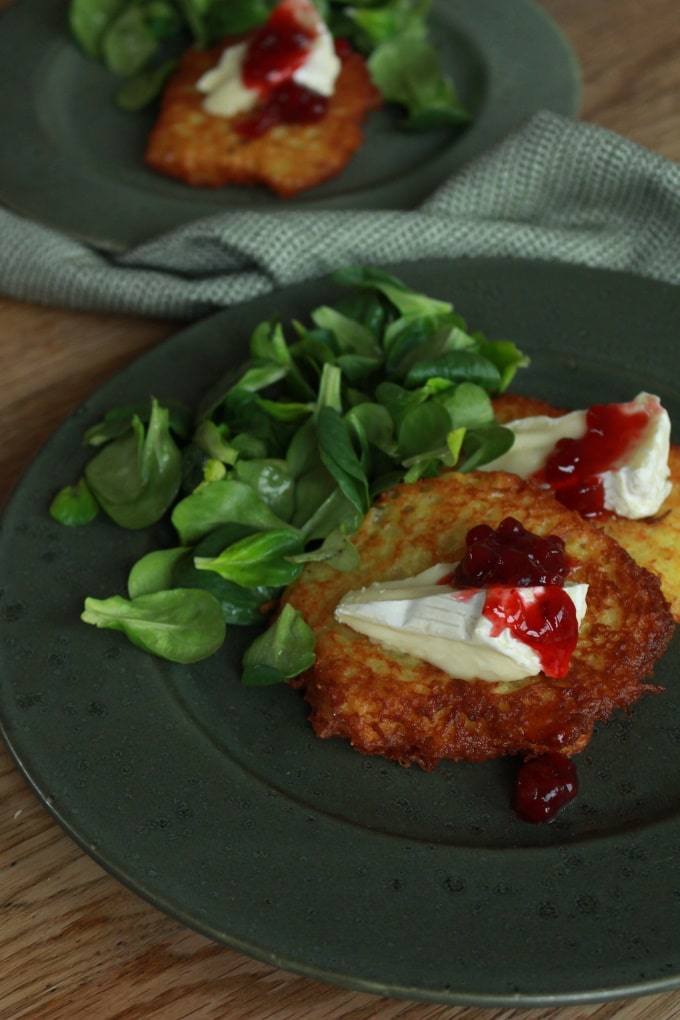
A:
274, 54
277, 49
543, 786
510, 555
574, 468
511, 558
289, 104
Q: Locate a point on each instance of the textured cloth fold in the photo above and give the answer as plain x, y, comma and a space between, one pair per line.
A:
554, 190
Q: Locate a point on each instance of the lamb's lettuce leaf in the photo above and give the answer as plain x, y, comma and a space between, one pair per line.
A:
257, 484
282, 652
180, 625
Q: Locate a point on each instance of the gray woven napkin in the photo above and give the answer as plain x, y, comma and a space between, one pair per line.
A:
554, 190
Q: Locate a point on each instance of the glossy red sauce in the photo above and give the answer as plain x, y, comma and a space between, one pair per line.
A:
543, 786
574, 467
274, 54
510, 558
343, 49
289, 104
278, 48
546, 623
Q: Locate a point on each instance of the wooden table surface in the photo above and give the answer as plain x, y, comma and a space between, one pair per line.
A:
73, 942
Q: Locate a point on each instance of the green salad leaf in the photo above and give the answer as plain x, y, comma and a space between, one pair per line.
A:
89, 21
283, 651
241, 607
406, 70
74, 505
340, 459
141, 88
336, 550
282, 458
227, 501
154, 572
181, 625
259, 559
135, 35
136, 477
387, 20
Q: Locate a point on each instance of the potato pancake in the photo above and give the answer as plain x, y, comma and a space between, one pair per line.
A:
402, 708
653, 542
203, 149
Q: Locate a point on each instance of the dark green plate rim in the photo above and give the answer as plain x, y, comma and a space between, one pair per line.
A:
218, 805
75, 160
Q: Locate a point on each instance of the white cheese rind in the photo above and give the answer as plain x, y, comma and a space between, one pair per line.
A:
639, 488
320, 71
226, 95
535, 439
421, 618
635, 490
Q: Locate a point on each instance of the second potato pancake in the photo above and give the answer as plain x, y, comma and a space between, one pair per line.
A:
653, 542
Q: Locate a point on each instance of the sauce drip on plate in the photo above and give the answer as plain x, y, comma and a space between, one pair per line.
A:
543, 786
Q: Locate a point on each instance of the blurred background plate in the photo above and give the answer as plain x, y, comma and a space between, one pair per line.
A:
75, 161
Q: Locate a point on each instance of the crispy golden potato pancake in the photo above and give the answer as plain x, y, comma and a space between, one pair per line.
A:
653, 542
202, 149
398, 706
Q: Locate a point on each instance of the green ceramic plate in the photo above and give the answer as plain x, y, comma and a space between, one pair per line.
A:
217, 803
75, 161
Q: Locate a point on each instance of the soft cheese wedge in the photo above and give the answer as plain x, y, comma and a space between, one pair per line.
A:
225, 91
635, 486
445, 626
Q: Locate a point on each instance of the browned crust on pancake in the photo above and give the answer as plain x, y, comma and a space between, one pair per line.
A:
202, 149
653, 542
511, 406
402, 708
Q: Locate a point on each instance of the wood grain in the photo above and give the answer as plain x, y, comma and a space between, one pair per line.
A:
73, 942
628, 53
